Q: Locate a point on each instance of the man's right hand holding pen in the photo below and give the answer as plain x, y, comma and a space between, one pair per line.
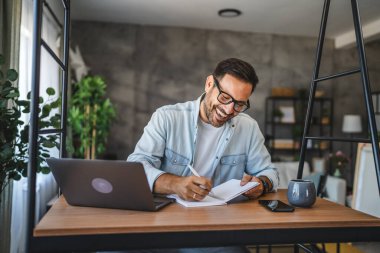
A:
191, 188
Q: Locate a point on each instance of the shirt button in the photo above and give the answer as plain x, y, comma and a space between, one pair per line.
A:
226, 139
234, 162
175, 161
233, 125
217, 157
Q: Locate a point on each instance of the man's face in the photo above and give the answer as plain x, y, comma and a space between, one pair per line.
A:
214, 112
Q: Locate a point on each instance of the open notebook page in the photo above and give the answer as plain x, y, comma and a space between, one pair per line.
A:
223, 193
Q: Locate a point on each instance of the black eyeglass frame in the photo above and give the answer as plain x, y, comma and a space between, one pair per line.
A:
236, 102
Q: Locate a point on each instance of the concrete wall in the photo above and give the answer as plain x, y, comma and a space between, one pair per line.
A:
149, 66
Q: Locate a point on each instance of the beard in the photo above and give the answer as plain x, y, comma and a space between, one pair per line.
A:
215, 114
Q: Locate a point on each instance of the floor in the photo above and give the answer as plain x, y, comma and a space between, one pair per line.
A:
330, 248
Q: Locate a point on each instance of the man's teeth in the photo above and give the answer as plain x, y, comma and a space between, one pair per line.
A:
220, 114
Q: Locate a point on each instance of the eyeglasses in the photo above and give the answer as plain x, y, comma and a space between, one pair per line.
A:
225, 98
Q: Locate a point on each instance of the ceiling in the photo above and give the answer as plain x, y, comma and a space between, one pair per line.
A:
287, 17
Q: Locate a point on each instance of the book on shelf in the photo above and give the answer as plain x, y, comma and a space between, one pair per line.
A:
283, 143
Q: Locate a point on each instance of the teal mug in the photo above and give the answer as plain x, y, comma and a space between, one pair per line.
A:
301, 193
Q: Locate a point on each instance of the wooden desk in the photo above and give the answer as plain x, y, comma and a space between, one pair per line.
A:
66, 227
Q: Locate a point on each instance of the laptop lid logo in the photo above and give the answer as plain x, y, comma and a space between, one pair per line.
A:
101, 185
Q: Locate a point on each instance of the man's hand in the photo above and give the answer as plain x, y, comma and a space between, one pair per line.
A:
190, 188
255, 192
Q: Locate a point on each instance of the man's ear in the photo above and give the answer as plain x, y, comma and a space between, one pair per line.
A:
209, 83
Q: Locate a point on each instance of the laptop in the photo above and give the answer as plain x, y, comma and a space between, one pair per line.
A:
105, 184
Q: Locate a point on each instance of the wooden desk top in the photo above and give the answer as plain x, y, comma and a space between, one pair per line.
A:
66, 220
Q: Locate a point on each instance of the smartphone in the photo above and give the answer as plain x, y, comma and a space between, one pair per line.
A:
276, 205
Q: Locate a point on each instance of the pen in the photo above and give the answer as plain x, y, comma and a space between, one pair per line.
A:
193, 170
196, 174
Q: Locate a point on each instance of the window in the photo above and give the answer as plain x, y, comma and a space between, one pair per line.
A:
49, 77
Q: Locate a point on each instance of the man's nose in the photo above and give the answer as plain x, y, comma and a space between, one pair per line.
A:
229, 108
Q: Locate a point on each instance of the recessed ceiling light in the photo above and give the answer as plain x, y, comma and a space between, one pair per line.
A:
229, 13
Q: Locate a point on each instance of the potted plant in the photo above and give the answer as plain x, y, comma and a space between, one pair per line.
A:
14, 132
90, 117
277, 115
338, 162
297, 135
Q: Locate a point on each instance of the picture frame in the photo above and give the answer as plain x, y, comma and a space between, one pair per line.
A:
319, 164
288, 114
365, 182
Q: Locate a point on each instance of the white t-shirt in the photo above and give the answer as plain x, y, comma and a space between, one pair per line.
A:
207, 141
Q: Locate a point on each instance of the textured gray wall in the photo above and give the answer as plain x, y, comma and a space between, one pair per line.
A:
149, 66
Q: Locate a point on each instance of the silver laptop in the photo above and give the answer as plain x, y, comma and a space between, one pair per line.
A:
106, 184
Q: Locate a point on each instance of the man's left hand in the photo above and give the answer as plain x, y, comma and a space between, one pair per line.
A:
255, 192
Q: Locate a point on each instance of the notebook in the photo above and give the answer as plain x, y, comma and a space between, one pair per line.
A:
220, 195
105, 184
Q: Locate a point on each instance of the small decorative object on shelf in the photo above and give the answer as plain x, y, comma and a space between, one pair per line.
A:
338, 162
288, 114
277, 115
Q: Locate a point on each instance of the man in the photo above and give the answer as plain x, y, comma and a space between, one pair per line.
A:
214, 136
211, 134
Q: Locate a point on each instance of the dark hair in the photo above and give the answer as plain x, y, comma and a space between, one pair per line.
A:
238, 69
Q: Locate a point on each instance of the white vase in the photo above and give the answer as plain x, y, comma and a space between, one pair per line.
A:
337, 173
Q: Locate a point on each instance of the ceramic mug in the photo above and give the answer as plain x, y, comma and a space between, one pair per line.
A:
301, 193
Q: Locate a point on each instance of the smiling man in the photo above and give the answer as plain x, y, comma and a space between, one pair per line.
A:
211, 134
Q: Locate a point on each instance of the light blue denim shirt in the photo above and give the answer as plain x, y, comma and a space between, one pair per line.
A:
169, 140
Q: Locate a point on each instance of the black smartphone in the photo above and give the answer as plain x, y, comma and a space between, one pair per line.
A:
276, 205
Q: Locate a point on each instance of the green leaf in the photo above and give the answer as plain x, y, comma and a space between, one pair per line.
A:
48, 144
7, 84
12, 75
40, 100
29, 95
13, 95
23, 103
25, 134
26, 110
50, 91
14, 175
45, 155
45, 170
46, 109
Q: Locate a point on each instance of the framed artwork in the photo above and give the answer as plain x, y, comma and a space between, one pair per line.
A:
318, 164
365, 191
288, 114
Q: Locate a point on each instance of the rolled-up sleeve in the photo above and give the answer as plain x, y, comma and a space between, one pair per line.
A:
259, 161
150, 148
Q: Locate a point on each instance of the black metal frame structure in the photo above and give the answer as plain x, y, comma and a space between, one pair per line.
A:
34, 131
180, 239
202, 239
363, 70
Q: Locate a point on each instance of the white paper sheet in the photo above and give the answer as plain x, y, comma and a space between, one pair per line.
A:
224, 193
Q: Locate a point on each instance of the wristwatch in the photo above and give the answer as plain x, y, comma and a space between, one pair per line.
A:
265, 184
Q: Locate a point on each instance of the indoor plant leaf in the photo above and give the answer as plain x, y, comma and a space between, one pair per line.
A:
12, 75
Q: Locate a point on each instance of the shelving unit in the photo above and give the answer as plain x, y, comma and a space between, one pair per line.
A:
283, 135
